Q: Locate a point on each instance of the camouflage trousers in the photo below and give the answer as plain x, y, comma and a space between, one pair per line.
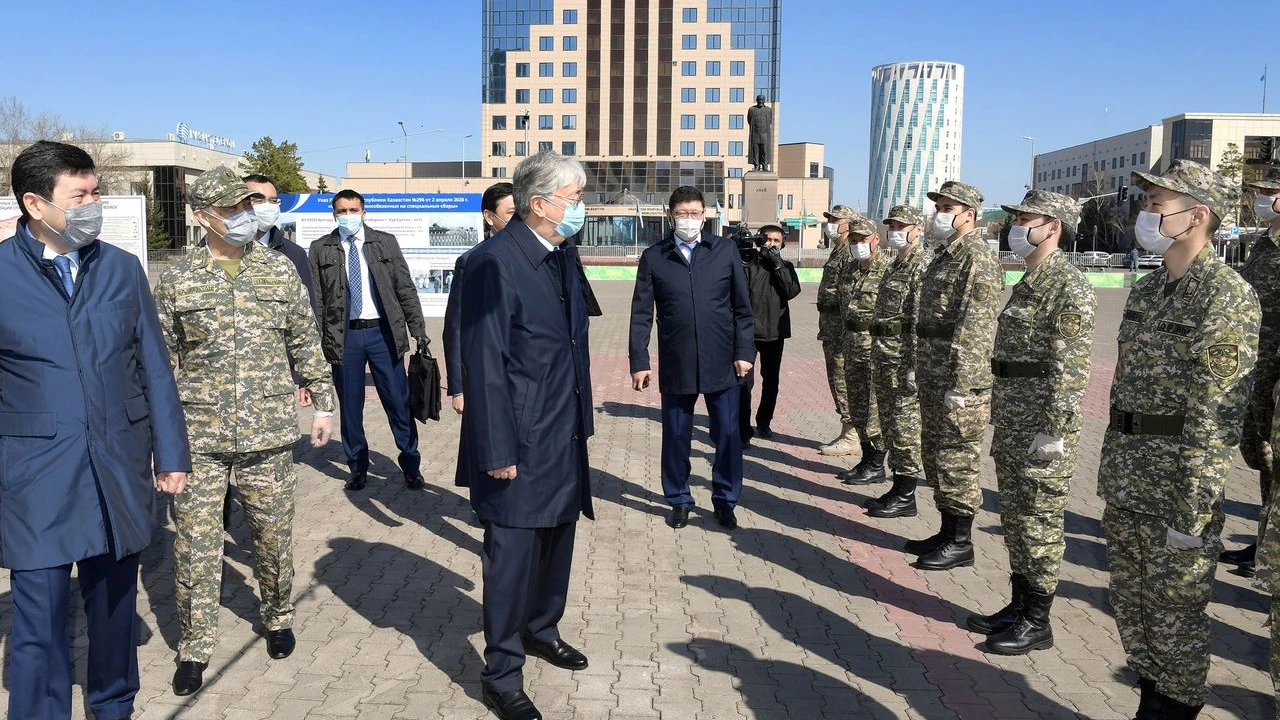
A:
1033, 494
266, 482
1159, 595
951, 445
899, 422
861, 399
1275, 652
1256, 443
833, 351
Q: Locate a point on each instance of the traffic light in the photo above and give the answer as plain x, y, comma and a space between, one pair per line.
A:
1123, 193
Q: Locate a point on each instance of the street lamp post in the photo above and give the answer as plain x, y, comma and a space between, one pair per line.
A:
1032, 184
464, 159
406, 155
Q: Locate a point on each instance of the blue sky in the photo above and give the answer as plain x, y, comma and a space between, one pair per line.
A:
328, 74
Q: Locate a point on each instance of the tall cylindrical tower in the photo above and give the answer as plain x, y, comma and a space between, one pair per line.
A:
917, 118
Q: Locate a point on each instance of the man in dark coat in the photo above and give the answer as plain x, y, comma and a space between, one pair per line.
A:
705, 347
527, 383
90, 428
771, 283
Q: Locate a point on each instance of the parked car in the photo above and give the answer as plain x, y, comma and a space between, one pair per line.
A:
1150, 261
1095, 259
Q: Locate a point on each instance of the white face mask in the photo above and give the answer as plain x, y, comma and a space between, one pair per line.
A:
1147, 230
943, 225
267, 215
241, 229
898, 239
861, 251
689, 229
1020, 239
1265, 207
831, 230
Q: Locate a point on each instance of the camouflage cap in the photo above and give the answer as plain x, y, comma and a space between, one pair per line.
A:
1049, 204
219, 187
1270, 182
905, 214
862, 226
958, 191
840, 212
1191, 178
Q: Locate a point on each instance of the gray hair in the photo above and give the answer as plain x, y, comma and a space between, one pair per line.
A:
543, 174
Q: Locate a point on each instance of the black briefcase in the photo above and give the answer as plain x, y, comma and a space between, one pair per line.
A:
424, 386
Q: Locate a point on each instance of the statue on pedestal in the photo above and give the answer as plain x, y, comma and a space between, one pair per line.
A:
760, 139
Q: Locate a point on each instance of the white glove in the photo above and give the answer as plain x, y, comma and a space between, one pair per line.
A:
1046, 447
911, 381
1181, 541
954, 400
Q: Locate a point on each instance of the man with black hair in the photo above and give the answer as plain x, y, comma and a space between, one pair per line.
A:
266, 210
771, 283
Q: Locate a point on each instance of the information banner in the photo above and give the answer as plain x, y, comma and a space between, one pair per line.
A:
124, 222
432, 230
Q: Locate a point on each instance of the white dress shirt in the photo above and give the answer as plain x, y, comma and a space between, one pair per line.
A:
686, 249
73, 256
368, 309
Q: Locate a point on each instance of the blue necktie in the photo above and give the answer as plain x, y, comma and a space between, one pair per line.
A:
63, 264
354, 277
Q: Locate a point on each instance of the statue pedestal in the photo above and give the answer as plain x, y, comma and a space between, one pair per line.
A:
759, 198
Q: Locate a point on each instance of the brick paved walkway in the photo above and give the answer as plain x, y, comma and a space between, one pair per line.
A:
808, 610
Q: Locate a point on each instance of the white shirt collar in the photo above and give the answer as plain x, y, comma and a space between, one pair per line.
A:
73, 256
358, 235
545, 243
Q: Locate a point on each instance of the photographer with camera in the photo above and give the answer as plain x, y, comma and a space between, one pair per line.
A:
771, 282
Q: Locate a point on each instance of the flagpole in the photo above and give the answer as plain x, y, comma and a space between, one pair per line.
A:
1264, 89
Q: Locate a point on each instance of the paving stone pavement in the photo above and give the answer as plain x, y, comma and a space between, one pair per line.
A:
808, 610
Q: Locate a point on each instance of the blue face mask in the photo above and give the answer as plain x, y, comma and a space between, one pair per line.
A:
350, 224
575, 216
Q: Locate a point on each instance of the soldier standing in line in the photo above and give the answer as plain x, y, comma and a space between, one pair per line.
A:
1041, 367
959, 301
1262, 271
831, 324
233, 314
867, 267
1184, 370
893, 354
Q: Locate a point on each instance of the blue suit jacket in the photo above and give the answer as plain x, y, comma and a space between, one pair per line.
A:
453, 329
526, 373
703, 313
87, 398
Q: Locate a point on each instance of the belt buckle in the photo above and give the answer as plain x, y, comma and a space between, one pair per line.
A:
1134, 423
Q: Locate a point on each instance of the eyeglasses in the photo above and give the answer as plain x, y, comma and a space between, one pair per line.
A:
688, 214
261, 200
570, 200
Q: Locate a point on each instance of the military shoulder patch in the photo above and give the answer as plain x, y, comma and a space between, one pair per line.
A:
983, 292
1223, 360
1070, 324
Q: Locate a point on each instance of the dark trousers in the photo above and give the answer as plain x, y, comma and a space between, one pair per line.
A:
770, 365
377, 347
526, 585
39, 649
677, 438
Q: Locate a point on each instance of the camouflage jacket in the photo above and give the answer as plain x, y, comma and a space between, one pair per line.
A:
230, 341
859, 308
960, 297
1048, 322
830, 325
1262, 272
893, 342
1187, 349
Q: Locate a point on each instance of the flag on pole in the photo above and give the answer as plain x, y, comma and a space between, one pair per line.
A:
639, 215
1264, 74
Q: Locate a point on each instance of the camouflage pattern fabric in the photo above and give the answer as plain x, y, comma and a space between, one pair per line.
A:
1186, 350
960, 295
962, 193
231, 340
858, 312
266, 481
1159, 595
1189, 177
1049, 204
833, 353
1274, 655
1262, 271
1033, 494
831, 325
893, 358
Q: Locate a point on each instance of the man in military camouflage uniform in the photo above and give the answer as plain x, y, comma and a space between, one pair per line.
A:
1184, 370
831, 322
959, 301
866, 268
893, 356
1262, 271
1041, 366
233, 314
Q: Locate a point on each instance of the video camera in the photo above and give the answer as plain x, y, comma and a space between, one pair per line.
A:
749, 244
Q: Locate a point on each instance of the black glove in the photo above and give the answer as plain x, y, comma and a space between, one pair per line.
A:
424, 345
771, 259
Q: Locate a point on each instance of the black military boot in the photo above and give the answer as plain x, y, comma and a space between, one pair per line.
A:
934, 541
1032, 631
1163, 707
1237, 557
870, 469
956, 549
1005, 617
1148, 690
900, 501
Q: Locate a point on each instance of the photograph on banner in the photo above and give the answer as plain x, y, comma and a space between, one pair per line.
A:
431, 229
124, 222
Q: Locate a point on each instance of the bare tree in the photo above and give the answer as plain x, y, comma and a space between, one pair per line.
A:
19, 127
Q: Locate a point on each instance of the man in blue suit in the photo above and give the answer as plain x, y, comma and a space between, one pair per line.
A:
88, 403
705, 347
526, 375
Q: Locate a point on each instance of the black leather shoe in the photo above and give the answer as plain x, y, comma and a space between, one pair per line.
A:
1005, 617
514, 705
1248, 569
763, 432
726, 518
931, 543
956, 551
414, 480
356, 480
679, 517
1238, 557
557, 652
188, 678
280, 643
